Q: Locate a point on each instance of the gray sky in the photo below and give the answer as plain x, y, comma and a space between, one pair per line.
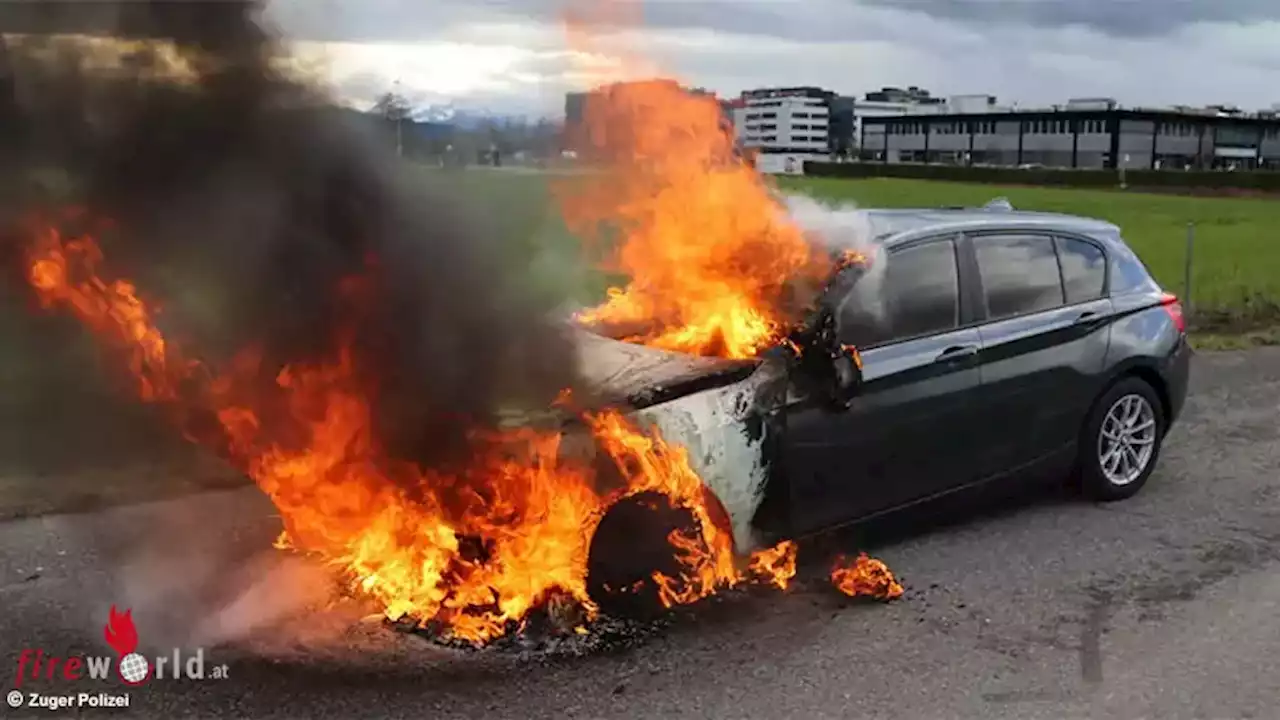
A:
511, 54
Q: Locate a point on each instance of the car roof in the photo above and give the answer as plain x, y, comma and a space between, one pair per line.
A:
902, 224
892, 227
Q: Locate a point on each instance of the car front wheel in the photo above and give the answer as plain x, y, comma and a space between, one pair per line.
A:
1121, 441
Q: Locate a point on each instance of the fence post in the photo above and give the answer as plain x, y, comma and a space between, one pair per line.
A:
1188, 263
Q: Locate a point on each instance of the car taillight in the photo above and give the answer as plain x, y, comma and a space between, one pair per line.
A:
1173, 306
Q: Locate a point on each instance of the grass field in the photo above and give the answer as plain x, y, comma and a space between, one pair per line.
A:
1236, 263
1235, 267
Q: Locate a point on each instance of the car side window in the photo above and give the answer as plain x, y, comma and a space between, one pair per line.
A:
1019, 274
1084, 269
917, 294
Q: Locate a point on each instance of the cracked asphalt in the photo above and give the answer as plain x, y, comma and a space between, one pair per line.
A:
1165, 605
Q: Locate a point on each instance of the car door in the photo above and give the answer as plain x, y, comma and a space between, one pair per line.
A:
907, 432
1044, 340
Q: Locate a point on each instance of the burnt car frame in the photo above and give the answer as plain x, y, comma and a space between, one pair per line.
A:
990, 344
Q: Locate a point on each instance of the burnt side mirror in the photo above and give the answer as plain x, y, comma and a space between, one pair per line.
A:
833, 370
846, 376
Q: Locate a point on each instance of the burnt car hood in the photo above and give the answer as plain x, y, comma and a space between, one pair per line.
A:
618, 372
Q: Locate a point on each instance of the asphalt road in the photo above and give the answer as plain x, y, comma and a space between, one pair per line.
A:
1163, 606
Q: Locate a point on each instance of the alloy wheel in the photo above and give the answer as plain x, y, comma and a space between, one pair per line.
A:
1127, 440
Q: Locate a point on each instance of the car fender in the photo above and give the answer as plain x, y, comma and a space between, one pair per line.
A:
724, 433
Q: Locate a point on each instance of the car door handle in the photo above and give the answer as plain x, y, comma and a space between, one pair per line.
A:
1086, 317
957, 352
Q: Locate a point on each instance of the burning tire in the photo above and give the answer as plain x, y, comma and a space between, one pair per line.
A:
629, 546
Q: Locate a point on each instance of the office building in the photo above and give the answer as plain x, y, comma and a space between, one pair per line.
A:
1086, 133
791, 121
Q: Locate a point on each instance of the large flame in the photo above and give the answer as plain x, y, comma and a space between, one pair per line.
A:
713, 261
396, 532
714, 266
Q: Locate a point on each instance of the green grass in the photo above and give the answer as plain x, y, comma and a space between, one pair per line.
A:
1235, 267
519, 207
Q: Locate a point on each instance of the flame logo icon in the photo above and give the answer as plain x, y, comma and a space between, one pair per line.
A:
122, 636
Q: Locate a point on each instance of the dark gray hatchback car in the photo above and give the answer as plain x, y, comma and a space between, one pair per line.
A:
972, 345
993, 343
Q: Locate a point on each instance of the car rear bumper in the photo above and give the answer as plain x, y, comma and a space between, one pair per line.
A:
1177, 375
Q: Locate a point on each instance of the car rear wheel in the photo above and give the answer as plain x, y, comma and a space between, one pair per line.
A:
1121, 441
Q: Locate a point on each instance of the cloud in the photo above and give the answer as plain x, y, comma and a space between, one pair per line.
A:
1114, 18
1036, 52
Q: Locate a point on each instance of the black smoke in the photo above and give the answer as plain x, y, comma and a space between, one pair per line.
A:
250, 192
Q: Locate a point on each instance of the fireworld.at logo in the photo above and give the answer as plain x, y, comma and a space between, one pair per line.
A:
130, 667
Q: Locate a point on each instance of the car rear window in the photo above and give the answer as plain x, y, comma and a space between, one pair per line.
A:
1128, 273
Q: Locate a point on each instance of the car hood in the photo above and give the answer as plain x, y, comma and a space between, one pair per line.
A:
618, 372
623, 375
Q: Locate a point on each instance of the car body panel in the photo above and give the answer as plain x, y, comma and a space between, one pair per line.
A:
1039, 375
725, 435
1144, 338
712, 407
867, 458
618, 372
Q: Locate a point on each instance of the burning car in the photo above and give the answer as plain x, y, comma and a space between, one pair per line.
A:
966, 346
772, 367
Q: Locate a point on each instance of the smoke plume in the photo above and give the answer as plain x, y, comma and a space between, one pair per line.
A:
847, 227
244, 197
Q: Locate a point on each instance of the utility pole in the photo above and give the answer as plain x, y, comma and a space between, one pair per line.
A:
399, 124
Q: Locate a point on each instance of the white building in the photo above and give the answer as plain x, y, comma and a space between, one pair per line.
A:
784, 121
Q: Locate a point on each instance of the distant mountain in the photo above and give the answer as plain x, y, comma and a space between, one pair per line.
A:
466, 118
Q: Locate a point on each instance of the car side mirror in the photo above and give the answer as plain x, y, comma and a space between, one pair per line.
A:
846, 376
833, 370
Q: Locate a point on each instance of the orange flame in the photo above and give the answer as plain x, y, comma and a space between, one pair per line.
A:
66, 273
715, 267
385, 524
864, 576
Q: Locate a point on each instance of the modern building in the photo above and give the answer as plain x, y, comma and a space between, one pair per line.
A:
912, 95
789, 121
1083, 133
848, 113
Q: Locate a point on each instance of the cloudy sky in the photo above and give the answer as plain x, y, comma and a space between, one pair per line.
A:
513, 55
